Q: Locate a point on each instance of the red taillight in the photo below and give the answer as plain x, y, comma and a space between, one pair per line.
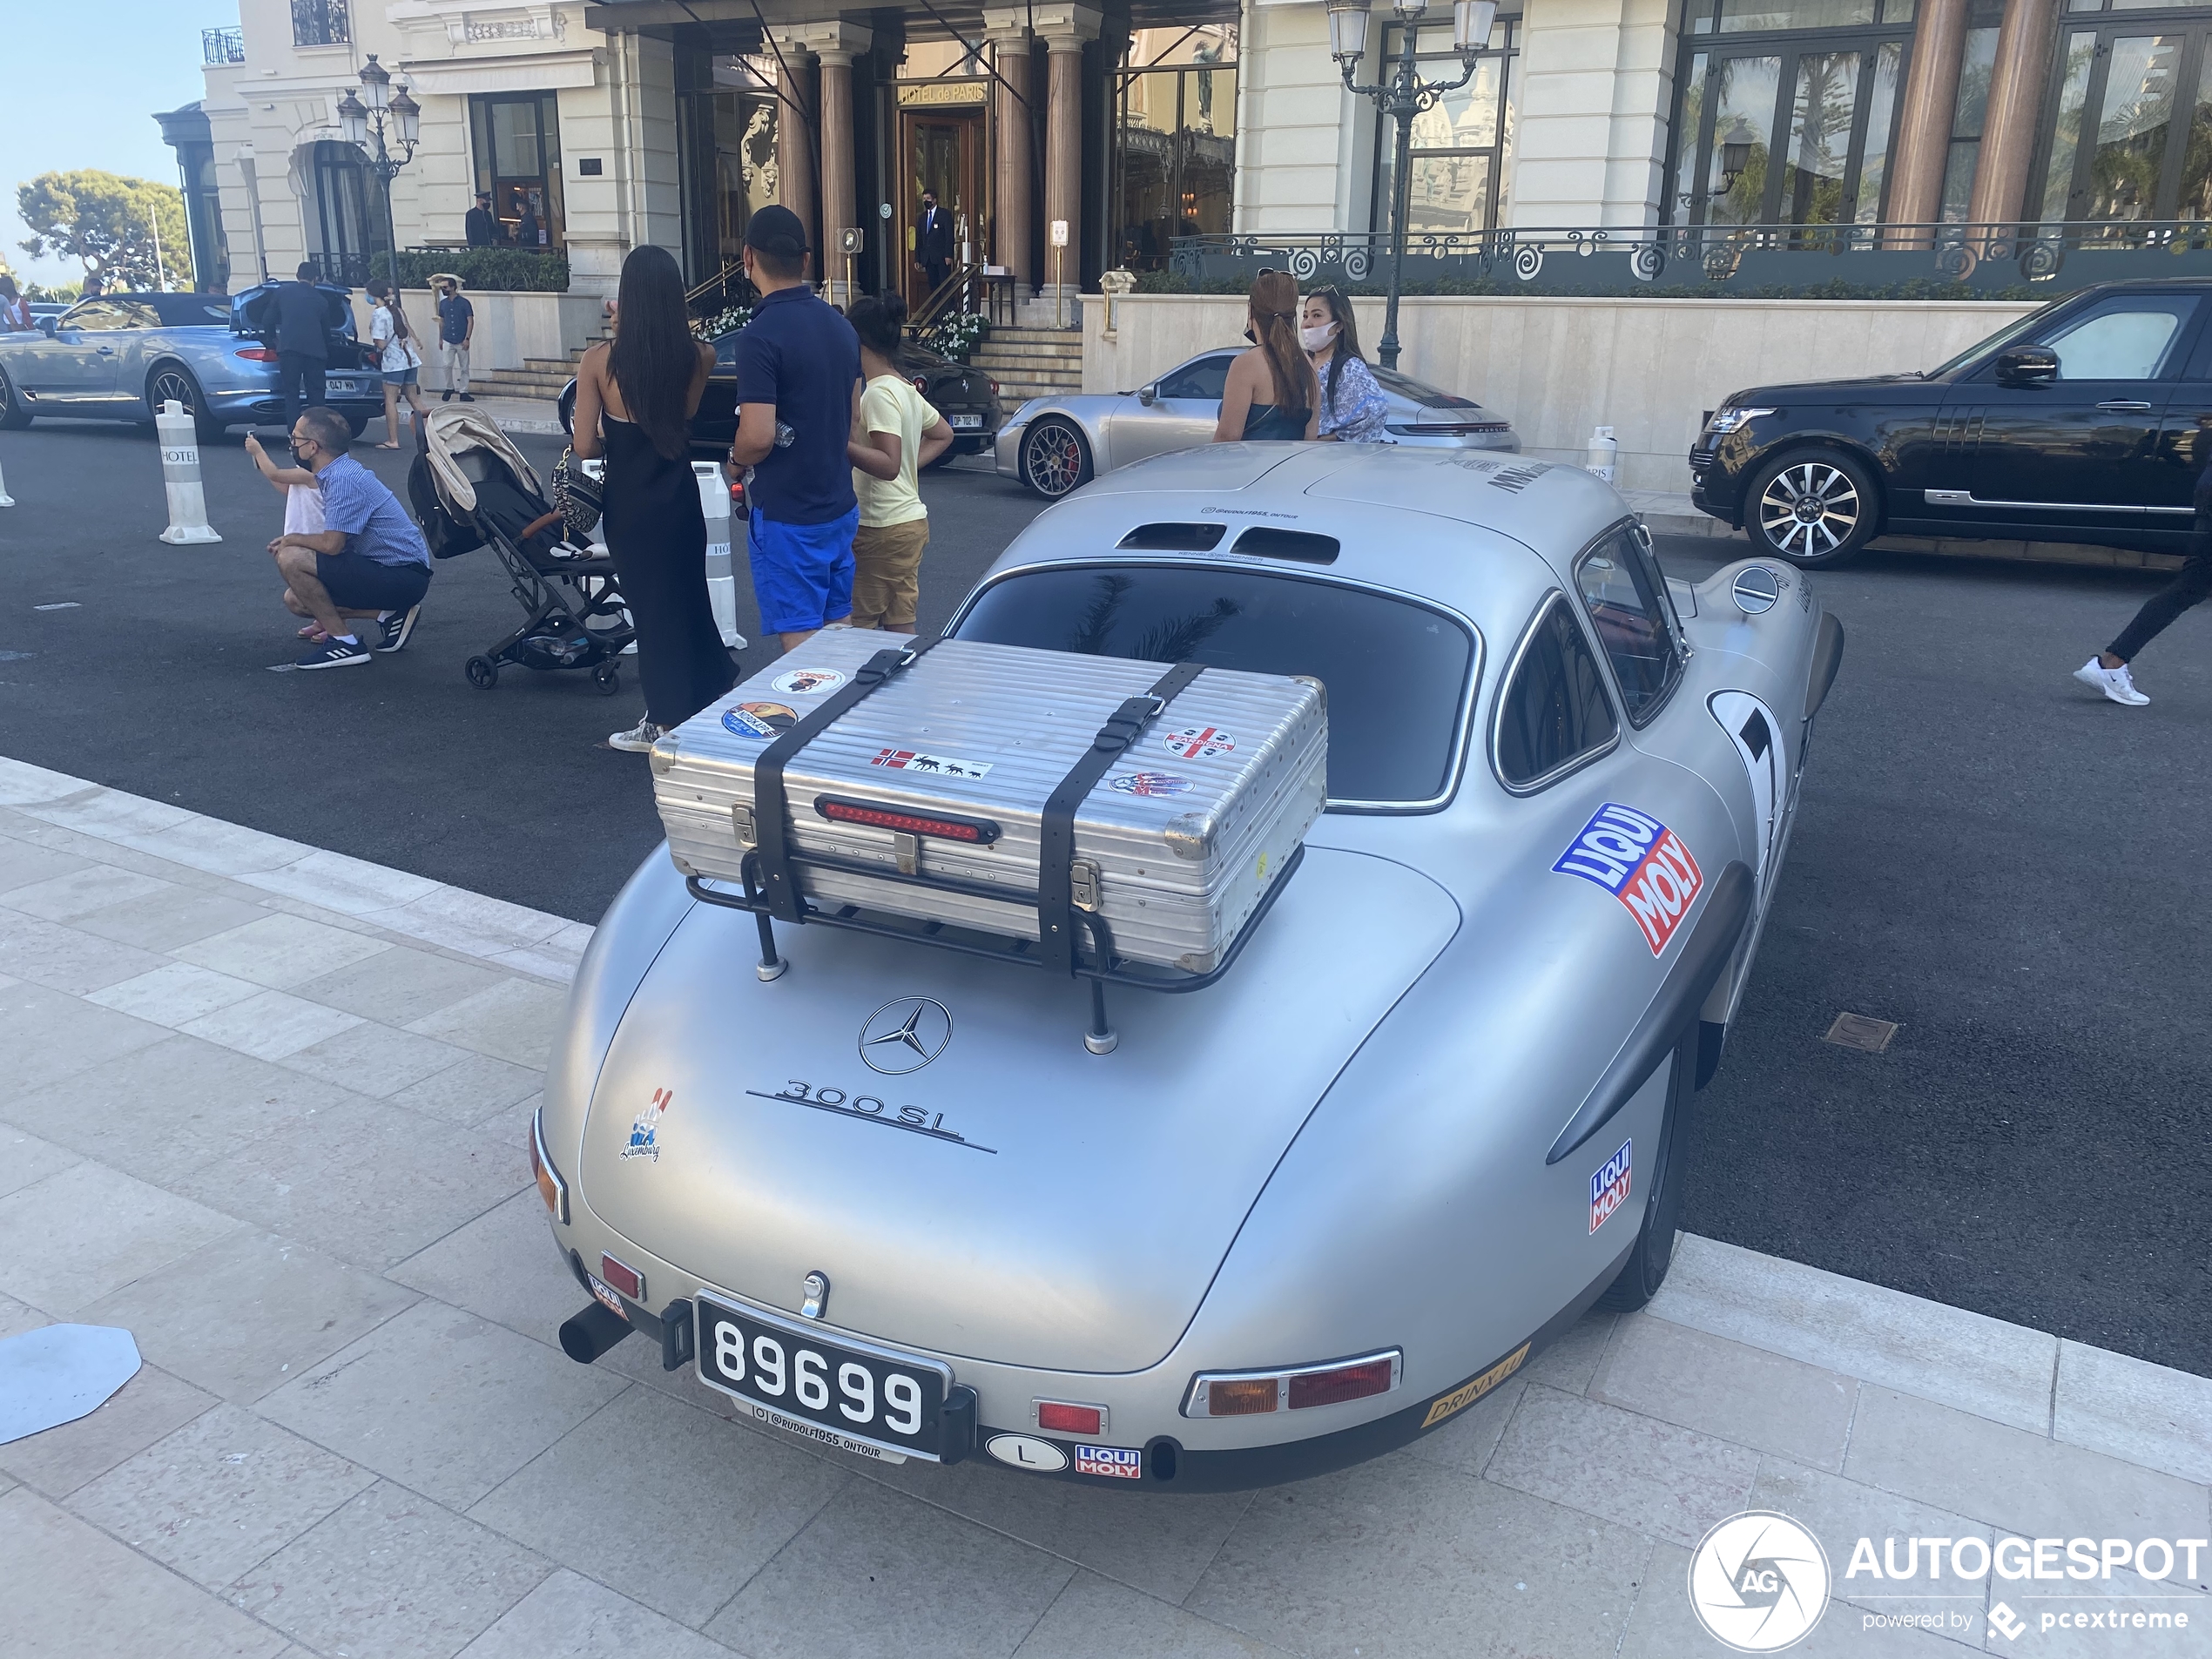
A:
1071, 1420
257, 354
994, 385
1345, 1382
920, 384
979, 832
628, 1280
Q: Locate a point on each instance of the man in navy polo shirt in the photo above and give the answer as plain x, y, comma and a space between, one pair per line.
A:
799, 372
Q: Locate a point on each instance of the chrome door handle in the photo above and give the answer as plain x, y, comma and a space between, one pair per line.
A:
2124, 408
107, 351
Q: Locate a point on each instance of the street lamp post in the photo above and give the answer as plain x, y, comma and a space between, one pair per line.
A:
361, 115
1404, 96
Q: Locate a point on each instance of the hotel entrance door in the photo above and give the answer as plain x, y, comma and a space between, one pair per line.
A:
943, 147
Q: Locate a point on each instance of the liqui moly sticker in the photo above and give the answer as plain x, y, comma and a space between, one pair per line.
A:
1197, 742
645, 1128
1119, 1462
1640, 862
1609, 1187
935, 765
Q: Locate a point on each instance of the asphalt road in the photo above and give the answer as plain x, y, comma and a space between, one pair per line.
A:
2014, 872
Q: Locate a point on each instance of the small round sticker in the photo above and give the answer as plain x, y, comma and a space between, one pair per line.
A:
1150, 783
1197, 742
760, 720
808, 682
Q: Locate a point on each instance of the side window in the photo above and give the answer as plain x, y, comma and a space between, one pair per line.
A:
1204, 379
1628, 602
725, 352
2124, 339
95, 316
1553, 709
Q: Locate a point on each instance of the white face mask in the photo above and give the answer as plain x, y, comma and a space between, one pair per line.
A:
1315, 338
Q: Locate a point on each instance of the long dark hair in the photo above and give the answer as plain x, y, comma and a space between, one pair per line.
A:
382, 292
1347, 340
880, 321
1274, 307
655, 355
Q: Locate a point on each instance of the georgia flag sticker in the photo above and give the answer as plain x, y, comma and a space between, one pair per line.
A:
1640, 862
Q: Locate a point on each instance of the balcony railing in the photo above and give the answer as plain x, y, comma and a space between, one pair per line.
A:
320, 23
1813, 261
222, 45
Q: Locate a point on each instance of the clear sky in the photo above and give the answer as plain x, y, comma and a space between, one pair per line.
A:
92, 104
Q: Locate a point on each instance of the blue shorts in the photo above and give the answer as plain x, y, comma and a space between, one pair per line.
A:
802, 574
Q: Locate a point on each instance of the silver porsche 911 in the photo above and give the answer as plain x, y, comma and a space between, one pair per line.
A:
1433, 1113
1057, 444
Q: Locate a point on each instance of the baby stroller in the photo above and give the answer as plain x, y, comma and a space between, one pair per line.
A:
470, 488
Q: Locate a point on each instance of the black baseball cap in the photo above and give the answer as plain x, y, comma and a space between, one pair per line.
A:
776, 231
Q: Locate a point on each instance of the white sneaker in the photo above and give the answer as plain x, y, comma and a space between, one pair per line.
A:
640, 739
2115, 683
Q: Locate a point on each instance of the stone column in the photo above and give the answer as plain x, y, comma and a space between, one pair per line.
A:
1065, 28
795, 143
1931, 99
1013, 159
2015, 99
832, 263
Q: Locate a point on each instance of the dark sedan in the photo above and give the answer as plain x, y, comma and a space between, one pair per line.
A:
967, 398
2085, 421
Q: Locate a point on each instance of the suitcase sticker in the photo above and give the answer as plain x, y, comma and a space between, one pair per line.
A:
1197, 742
759, 721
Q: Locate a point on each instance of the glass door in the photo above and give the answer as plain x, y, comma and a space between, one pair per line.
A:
2132, 137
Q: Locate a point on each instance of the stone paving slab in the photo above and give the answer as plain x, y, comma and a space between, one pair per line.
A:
354, 1436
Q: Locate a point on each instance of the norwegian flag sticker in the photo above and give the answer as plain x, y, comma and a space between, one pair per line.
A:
1197, 742
935, 765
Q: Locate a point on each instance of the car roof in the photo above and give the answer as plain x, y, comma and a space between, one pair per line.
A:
1485, 533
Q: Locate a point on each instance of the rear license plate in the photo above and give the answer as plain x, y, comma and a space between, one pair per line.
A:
866, 1399
341, 388
965, 421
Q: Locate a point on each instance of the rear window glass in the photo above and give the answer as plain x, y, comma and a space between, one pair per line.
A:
1555, 710
1422, 392
1396, 671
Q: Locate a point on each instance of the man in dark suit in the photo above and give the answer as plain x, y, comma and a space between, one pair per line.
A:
300, 316
932, 242
480, 227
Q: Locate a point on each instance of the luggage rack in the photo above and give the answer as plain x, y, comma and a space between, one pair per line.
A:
1101, 970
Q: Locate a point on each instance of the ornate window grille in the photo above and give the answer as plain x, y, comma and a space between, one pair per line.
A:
320, 23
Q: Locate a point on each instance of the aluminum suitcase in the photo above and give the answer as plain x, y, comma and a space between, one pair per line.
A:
1174, 847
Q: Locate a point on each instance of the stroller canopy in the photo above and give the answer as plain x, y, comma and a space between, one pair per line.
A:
451, 432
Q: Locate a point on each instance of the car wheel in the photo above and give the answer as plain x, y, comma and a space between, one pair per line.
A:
1054, 458
1813, 507
13, 416
356, 424
173, 383
1638, 1281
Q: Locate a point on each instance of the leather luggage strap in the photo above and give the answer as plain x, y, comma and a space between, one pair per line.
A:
1056, 829
770, 809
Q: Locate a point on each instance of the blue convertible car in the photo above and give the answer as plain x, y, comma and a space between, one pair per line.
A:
121, 356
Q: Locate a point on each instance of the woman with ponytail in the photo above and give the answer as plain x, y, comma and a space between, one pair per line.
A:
1272, 392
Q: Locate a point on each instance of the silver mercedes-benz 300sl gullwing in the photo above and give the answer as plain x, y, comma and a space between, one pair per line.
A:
904, 1200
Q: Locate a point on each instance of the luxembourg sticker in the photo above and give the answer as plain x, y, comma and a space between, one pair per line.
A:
1118, 1462
760, 720
645, 1128
808, 682
935, 765
1609, 1187
1640, 862
1150, 783
1197, 742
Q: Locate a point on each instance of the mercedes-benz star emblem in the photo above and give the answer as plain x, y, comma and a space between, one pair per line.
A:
906, 1035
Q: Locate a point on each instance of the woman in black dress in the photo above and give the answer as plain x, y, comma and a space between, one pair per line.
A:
634, 402
1271, 392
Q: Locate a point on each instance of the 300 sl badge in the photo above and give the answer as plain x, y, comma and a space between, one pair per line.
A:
870, 1108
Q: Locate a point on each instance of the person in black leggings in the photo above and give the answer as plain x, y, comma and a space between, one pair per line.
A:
2108, 670
634, 402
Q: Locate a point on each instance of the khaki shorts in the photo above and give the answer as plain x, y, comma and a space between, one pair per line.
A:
886, 574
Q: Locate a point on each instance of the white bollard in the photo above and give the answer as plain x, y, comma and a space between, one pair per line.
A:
1604, 453
721, 583
180, 476
6, 500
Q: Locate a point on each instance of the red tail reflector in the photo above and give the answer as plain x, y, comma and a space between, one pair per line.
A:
1071, 1420
257, 354
979, 832
628, 1280
1345, 1382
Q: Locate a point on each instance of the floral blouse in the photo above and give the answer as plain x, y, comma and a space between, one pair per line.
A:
1356, 413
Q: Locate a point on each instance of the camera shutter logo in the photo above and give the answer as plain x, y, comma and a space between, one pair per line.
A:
1758, 1582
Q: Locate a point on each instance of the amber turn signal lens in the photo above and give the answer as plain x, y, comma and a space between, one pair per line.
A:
549, 1185
1241, 1397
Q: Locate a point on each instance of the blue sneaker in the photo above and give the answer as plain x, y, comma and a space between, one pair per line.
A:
399, 628
336, 653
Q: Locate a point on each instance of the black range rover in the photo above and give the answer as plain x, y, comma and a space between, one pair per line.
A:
2088, 420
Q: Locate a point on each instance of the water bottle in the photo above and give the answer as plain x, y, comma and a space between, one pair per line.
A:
785, 434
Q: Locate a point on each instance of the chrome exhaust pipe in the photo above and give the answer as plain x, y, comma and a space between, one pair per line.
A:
591, 1332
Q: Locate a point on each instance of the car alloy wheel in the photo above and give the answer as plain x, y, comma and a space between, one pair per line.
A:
13, 416
1054, 459
1811, 510
172, 384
